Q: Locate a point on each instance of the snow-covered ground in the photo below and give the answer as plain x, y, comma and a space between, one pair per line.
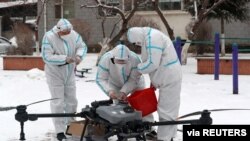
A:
198, 92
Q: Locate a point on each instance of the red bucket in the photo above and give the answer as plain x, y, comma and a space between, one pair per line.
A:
144, 101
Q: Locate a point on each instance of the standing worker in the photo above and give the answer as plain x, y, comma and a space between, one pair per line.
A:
160, 61
62, 49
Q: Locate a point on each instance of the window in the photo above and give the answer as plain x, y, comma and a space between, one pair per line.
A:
170, 4
146, 6
58, 11
65, 11
163, 4
68, 9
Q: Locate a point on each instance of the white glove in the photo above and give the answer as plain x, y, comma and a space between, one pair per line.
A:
122, 96
78, 60
112, 94
69, 60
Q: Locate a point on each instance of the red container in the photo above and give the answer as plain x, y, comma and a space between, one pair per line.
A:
144, 101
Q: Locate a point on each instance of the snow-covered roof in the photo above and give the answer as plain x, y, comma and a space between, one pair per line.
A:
16, 3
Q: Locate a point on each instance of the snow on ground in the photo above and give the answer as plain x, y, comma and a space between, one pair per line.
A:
198, 92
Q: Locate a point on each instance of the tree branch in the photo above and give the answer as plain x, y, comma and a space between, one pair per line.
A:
124, 25
99, 5
40, 13
203, 14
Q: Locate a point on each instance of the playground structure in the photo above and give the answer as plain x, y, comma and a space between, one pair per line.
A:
17, 62
214, 64
205, 65
234, 64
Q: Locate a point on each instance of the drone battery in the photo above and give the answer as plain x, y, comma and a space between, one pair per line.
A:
115, 114
75, 128
144, 101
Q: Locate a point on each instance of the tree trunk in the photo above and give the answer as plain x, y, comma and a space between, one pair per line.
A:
105, 47
223, 49
108, 43
184, 52
158, 10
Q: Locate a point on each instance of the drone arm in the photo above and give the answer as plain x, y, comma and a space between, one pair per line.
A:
162, 123
34, 117
205, 119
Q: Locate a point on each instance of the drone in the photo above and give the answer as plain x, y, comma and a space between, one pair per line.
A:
125, 124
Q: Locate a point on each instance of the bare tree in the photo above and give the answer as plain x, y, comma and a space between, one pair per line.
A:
107, 44
204, 13
24, 38
158, 10
193, 28
140, 21
83, 28
203, 34
40, 12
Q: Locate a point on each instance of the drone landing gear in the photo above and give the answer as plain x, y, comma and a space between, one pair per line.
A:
138, 137
126, 139
21, 116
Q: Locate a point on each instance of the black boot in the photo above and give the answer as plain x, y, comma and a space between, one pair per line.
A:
60, 136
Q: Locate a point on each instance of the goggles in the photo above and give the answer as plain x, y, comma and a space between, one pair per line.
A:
119, 61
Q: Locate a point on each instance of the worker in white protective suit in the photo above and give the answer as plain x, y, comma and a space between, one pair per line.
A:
160, 61
117, 75
62, 49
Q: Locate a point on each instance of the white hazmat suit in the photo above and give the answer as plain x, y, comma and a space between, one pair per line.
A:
120, 77
60, 75
160, 61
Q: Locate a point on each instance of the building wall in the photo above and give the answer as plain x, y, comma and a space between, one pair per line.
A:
86, 14
177, 20
95, 21
234, 29
50, 18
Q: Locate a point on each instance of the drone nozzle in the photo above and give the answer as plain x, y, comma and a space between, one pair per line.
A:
21, 114
96, 104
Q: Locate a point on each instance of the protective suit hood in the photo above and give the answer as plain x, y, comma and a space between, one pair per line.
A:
121, 52
136, 35
62, 25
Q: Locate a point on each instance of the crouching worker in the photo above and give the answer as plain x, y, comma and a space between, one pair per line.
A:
117, 75
62, 50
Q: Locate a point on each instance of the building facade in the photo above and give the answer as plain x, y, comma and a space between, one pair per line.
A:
70, 9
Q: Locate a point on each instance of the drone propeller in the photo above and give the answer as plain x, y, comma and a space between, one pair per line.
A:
213, 110
12, 107
7, 108
42, 101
